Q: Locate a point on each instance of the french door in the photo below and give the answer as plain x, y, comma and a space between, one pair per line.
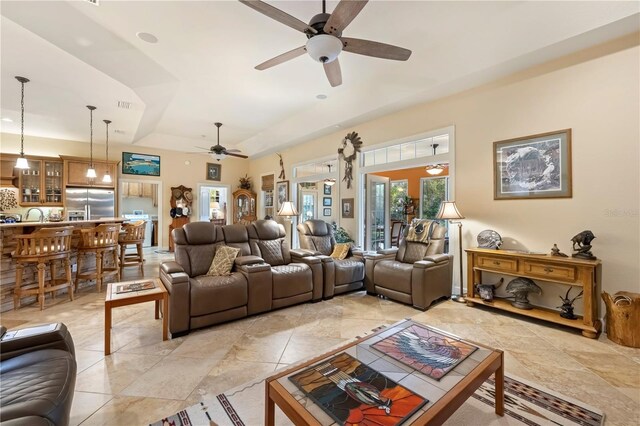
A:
377, 213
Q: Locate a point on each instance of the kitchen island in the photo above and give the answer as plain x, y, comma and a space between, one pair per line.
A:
8, 231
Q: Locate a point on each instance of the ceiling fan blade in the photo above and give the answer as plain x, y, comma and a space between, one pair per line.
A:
206, 149
279, 15
375, 49
282, 58
236, 155
343, 14
233, 150
332, 69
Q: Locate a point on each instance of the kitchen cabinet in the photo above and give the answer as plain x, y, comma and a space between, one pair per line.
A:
75, 171
8, 175
244, 206
41, 183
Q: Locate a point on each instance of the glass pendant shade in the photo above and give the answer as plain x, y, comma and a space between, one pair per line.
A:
21, 162
91, 173
106, 178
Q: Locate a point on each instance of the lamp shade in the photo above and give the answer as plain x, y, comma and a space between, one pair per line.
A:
22, 163
435, 169
288, 209
106, 178
215, 205
324, 48
449, 210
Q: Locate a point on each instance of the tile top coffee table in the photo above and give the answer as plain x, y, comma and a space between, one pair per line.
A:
115, 299
382, 358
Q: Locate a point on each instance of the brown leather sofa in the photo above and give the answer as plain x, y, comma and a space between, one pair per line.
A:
254, 286
340, 275
37, 376
415, 273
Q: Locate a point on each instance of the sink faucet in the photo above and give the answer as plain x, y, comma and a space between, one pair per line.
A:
35, 208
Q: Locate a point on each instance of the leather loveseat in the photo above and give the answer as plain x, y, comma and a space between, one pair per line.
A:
254, 286
37, 376
340, 275
415, 273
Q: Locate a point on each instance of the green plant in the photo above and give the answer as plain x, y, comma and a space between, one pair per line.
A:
342, 236
245, 182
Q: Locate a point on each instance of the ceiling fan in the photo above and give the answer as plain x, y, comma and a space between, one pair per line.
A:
325, 41
219, 152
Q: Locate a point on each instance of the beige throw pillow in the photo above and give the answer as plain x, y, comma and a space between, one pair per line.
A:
223, 261
340, 251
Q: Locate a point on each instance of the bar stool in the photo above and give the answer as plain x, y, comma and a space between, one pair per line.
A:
42, 247
101, 240
132, 233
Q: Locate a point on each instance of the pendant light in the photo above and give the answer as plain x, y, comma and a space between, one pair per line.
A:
329, 181
435, 169
91, 172
21, 162
107, 176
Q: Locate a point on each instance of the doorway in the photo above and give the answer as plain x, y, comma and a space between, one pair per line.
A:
213, 203
139, 200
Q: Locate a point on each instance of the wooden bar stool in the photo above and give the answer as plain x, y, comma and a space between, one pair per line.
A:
132, 234
42, 247
101, 241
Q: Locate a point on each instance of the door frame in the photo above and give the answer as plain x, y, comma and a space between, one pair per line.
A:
370, 178
199, 187
160, 201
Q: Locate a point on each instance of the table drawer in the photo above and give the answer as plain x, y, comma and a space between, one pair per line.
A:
498, 264
545, 270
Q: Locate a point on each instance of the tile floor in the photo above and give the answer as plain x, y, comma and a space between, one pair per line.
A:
145, 378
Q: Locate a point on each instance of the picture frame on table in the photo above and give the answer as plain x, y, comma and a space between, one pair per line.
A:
140, 164
214, 171
535, 166
326, 212
326, 201
327, 189
347, 208
282, 193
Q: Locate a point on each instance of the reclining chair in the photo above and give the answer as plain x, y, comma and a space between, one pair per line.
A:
340, 275
415, 273
37, 375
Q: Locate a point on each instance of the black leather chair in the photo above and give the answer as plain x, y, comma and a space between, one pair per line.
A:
37, 375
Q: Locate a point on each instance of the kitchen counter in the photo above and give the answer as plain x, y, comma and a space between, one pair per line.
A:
8, 245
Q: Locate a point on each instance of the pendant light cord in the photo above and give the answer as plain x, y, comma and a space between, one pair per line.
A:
91, 137
107, 153
22, 121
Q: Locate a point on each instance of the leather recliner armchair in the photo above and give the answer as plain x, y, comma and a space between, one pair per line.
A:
415, 273
340, 276
37, 376
296, 276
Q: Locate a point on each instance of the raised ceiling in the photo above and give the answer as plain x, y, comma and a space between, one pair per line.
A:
202, 68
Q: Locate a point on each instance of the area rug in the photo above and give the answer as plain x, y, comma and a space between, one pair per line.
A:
526, 403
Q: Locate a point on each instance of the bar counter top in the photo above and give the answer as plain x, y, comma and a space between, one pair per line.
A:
62, 223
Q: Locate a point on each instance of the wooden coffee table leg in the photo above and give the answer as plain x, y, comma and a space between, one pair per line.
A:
499, 377
157, 309
107, 328
165, 316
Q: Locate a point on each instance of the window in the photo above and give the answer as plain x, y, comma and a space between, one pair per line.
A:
420, 148
398, 190
433, 191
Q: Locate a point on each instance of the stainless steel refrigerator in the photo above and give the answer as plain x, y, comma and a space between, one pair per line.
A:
96, 203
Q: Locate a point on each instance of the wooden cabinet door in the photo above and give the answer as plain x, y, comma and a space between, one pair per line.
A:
76, 171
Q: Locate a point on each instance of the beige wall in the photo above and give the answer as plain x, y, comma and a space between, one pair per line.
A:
596, 93
173, 170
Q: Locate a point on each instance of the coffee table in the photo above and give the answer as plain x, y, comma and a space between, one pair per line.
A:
114, 300
445, 396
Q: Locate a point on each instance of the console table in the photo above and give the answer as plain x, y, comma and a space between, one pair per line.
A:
545, 268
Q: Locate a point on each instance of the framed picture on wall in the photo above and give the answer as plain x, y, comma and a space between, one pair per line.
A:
326, 201
140, 164
327, 189
326, 212
347, 208
282, 193
214, 171
536, 166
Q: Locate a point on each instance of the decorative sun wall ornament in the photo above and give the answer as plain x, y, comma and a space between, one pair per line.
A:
348, 149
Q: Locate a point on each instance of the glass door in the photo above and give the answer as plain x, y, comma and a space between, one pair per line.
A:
309, 205
433, 191
377, 213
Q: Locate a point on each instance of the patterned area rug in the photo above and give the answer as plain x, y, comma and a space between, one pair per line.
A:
525, 403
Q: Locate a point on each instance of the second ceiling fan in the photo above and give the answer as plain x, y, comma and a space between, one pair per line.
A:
324, 37
219, 152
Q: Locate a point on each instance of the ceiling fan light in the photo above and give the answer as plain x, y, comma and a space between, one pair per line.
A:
324, 48
22, 163
329, 182
220, 156
435, 170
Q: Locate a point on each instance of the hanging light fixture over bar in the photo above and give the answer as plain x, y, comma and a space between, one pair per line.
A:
107, 177
21, 162
91, 172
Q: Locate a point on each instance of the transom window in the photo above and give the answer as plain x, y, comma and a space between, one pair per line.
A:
425, 147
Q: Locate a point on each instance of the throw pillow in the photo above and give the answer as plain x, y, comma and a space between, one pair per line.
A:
340, 251
223, 261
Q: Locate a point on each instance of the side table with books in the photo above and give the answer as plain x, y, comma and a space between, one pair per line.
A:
131, 293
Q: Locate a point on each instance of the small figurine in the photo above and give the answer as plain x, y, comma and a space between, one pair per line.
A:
583, 240
555, 251
520, 287
489, 239
281, 176
487, 291
567, 305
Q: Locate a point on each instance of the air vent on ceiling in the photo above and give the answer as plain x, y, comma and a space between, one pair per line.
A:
124, 104
118, 131
96, 2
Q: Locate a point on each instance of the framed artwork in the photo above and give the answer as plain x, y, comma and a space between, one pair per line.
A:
268, 199
326, 212
351, 392
140, 164
327, 189
282, 193
326, 201
347, 208
536, 166
430, 352
214, 171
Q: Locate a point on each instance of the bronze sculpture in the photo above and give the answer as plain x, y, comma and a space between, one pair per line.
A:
583, 241
520, 287
487, 291
555, 251
567, 305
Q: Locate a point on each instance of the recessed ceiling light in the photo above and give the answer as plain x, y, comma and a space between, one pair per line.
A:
187, 162
148, 37
7, 119
321, 96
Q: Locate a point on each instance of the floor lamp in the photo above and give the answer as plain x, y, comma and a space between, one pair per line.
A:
288, 210
448, 211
